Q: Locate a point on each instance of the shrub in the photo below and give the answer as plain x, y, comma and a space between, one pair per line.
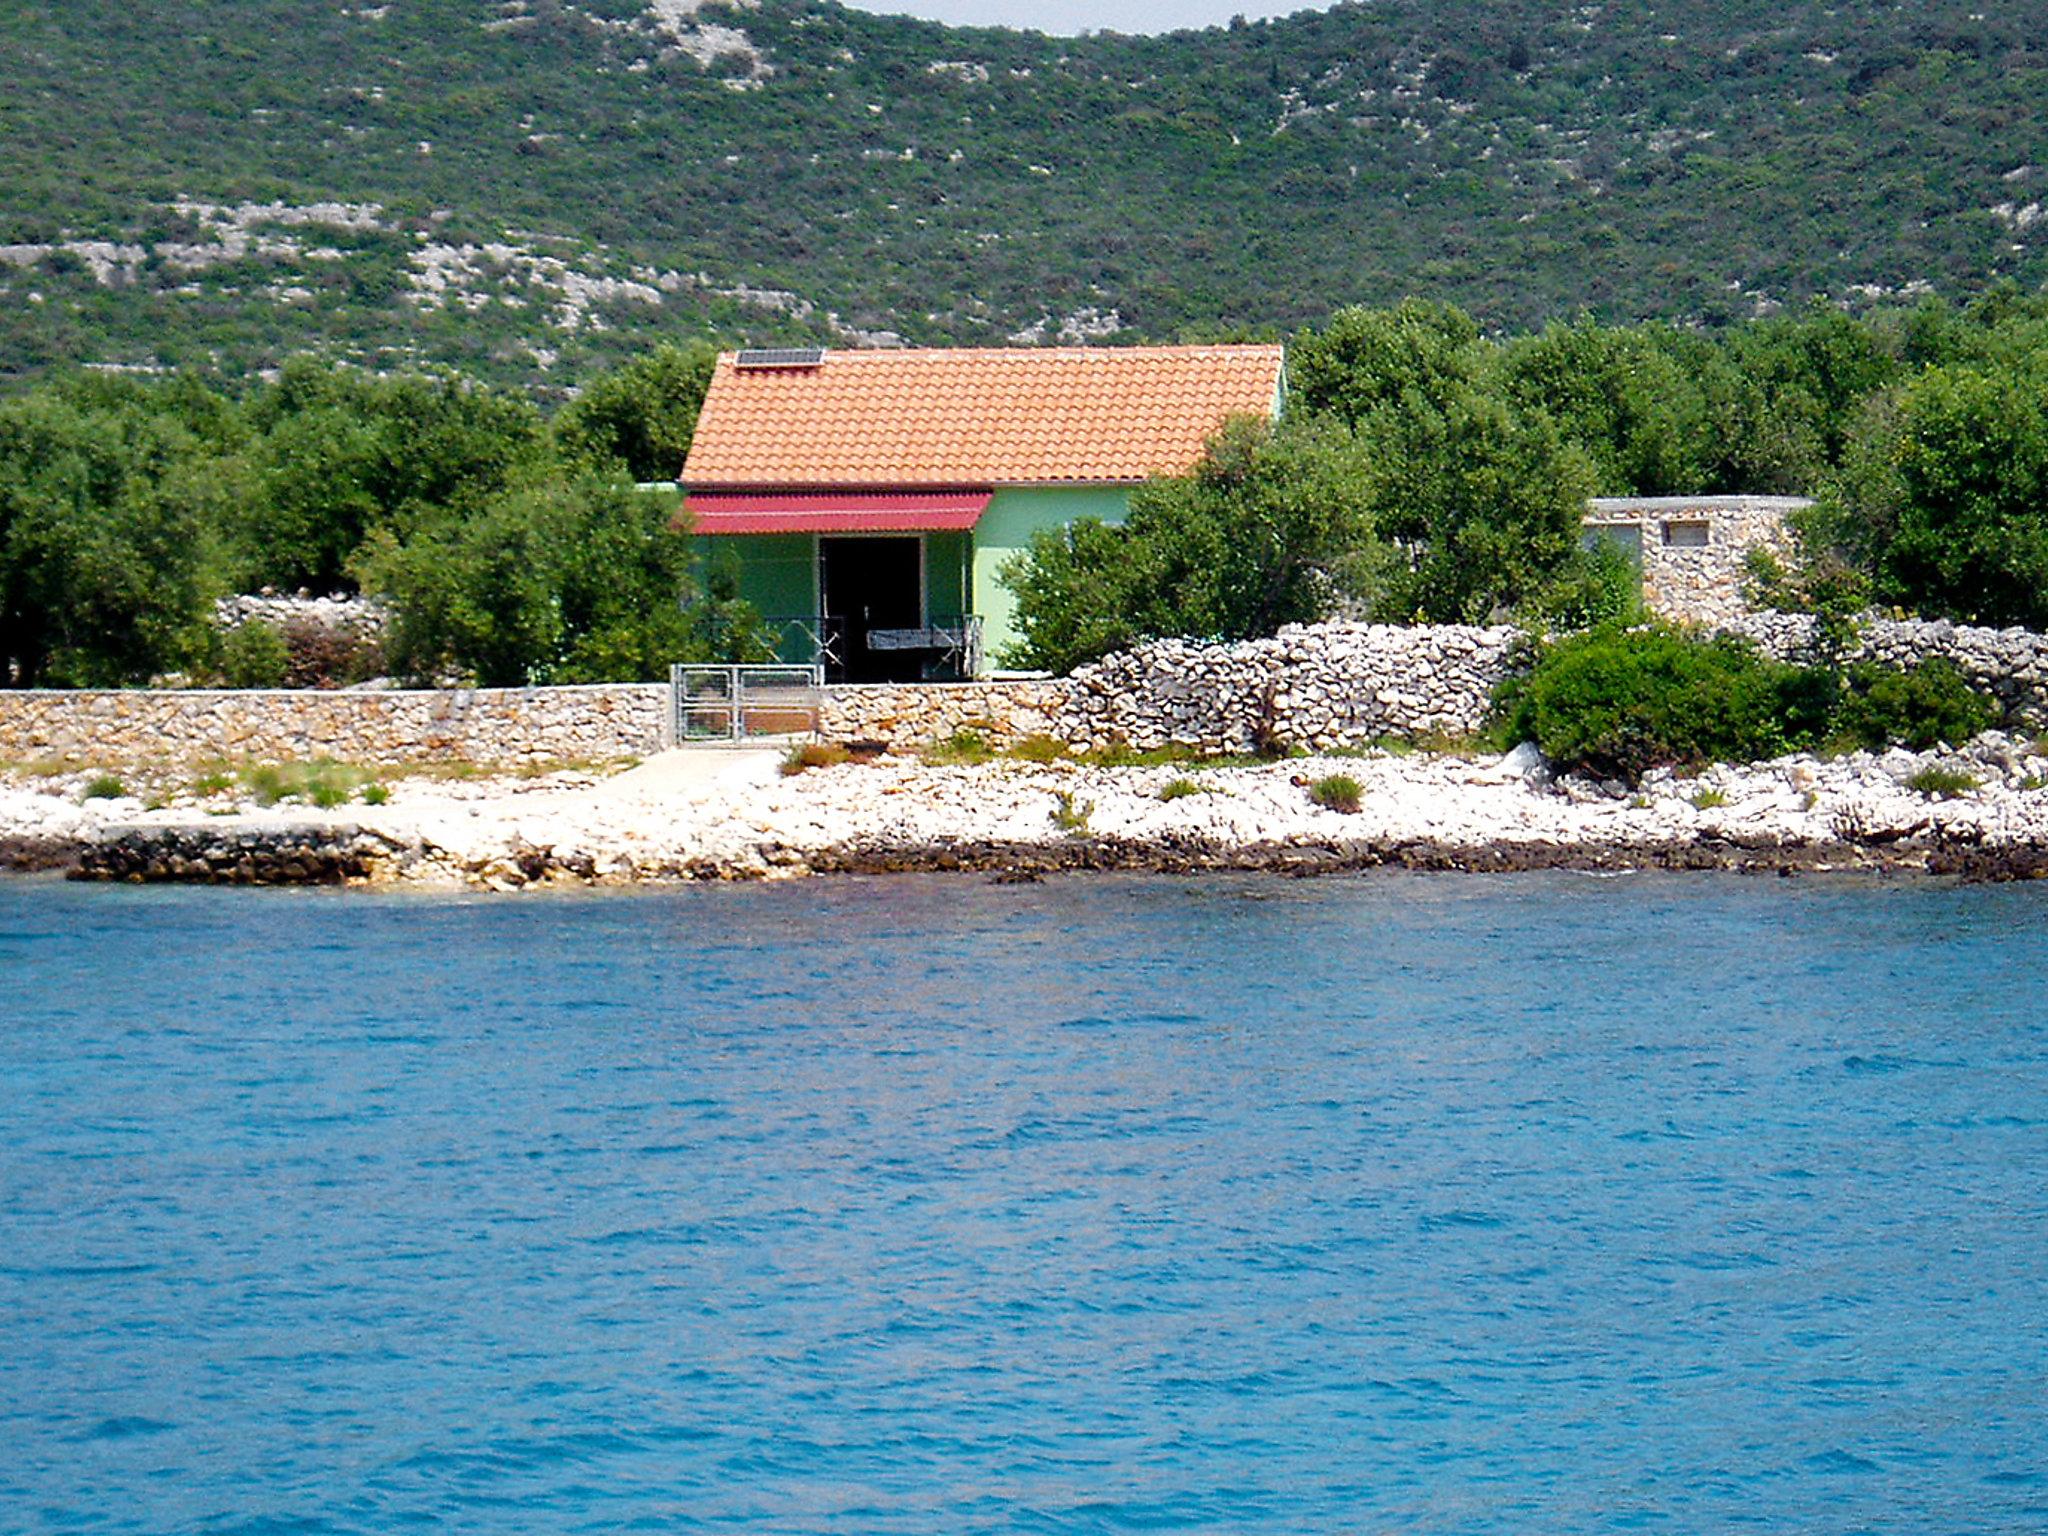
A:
1616, 702
812, 754
1337, 792
1709, 799
1070, 815
376, 794
1270, 528
104, 786
1180, 789
1942, 783
1919, 707
254, 655
323, 656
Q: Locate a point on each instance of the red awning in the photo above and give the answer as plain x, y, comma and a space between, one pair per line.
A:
835, 511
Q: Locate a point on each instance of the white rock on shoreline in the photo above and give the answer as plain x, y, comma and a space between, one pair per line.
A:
696, 814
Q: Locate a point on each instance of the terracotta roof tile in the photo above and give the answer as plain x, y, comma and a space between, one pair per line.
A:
975, 416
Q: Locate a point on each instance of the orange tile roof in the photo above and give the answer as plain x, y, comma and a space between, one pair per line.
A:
975, 416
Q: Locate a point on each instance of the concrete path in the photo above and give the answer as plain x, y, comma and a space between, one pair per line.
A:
687, 773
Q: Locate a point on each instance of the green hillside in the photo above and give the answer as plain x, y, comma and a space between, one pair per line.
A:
531, 187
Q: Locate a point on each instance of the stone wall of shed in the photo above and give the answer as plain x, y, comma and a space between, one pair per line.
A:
1700, 584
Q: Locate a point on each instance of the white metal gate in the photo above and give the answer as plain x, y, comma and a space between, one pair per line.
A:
735, 703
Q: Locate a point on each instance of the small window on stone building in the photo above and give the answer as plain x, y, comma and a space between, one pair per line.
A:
1626, 537
1687, 535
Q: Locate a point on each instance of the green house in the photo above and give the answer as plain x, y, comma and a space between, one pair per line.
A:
866, 501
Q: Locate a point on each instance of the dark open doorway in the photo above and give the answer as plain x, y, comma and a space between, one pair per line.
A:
872, 584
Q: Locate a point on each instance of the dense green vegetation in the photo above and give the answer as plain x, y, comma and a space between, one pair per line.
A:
1617, 700
539, 188
1423, 471
513, 550
1428, 472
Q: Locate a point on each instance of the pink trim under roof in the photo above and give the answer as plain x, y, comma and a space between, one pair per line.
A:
861, 511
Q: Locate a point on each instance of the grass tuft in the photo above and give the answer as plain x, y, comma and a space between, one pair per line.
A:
1337, 792
104, 786
1180, 789
962, 747
1942, 783
812, 754
1038, 749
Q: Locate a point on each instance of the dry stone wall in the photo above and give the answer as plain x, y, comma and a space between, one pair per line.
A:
912, 714
500, 727
359, 620
1320, 686
2009, 664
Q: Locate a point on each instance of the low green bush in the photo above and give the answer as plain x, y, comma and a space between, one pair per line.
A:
254, 655
1070, 815
104, 786
376, 794
1337, 792
1617, 701
1180, 789
1918, 707
323, 782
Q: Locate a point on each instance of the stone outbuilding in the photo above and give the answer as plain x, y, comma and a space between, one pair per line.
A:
1693, 551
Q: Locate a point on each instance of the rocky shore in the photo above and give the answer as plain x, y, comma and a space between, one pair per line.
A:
1979, 812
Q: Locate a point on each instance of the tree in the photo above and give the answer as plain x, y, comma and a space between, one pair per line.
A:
106, 568
1943, 496
341, 454
642, 415
576, 580
1642, 418
1485, 504
1367, 359
1271, 528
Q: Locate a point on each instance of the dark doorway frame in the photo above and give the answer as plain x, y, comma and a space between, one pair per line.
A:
866, 582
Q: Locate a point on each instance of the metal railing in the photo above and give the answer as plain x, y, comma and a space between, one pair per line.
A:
948, 647
736, 703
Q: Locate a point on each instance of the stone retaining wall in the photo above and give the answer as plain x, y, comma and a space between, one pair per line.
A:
2009, 664
912, 714
1323, 685
502, 727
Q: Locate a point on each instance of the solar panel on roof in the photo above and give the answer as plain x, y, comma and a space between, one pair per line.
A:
780, 357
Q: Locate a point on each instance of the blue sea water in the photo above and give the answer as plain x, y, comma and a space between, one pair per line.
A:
928, 1205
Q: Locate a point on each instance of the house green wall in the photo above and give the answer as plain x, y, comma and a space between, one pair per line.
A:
778, 572
1014, 514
